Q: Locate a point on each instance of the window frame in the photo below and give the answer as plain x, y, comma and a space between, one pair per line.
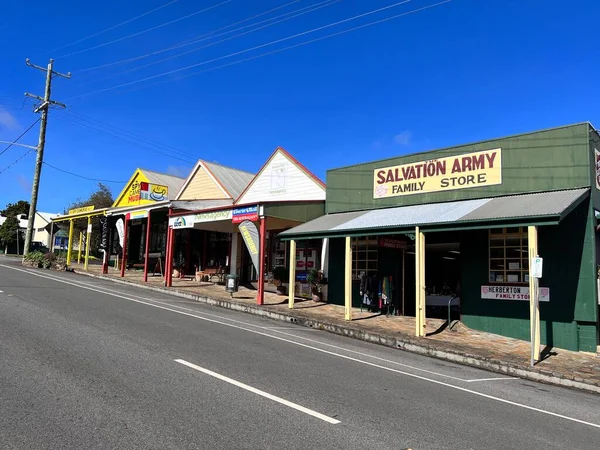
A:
512, 239
370, 260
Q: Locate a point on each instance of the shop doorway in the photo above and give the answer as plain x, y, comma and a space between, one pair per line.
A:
442, 277
135, 243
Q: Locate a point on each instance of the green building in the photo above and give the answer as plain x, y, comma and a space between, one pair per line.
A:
458, 226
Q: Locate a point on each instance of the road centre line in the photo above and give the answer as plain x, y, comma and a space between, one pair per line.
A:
389, 369
278, 330
239, 384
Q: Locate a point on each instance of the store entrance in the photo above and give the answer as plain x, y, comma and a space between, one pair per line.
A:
442, 276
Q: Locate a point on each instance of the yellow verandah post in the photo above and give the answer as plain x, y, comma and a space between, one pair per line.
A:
292, 278
79, 250
348, 280
88, 241
420, 299
423, 287
70, 243
534, 307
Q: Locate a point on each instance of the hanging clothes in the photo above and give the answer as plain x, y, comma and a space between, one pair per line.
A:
387, 288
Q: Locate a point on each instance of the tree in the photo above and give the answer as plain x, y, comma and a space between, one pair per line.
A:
10, 227
101, 198
12, 209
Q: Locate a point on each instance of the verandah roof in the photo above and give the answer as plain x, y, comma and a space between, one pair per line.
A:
547, 207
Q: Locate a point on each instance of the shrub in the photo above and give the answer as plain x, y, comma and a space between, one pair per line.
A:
48, 260
34, 258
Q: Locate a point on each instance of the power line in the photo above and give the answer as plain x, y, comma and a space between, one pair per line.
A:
195, 39
129, 134
132, 141
16, 161
146, 30
246, 50
81, 176
22, 134
292, 46
112, 27
322, 4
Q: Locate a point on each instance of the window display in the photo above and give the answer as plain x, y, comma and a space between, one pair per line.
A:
508, 257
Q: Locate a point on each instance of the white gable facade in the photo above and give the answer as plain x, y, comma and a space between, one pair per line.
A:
282, 179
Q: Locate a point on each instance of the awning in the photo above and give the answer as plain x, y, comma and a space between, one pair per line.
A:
81, 215
123, 210
542, 208
200, 205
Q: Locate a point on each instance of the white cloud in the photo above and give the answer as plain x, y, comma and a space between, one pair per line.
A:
176, 171
7, 120
403, 138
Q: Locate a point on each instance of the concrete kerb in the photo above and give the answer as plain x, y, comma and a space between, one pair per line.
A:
400, 343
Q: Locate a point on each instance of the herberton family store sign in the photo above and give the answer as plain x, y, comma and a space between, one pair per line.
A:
454, 172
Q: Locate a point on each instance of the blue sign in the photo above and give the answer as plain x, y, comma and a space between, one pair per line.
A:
301, 276
248, 213
61, 243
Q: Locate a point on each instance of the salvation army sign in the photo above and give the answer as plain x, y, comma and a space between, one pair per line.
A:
444, 174
512, 293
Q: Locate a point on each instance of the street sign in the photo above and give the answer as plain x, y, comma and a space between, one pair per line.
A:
536, 267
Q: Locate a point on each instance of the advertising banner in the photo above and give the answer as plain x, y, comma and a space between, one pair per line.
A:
121, 230
392, 243
103, 233
182, 222
512, 293
444, 174
189, 220
249, 233
248, 213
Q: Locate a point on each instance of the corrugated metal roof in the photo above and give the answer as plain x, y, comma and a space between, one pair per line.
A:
324, 223
233, 180
172, 182
536, 205
199, 205
528, 205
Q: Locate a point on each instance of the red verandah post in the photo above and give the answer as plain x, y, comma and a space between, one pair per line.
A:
124, 263
260, 298
147, 249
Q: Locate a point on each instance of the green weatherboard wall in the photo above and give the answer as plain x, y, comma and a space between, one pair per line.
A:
535, 162
569, 319
560, 158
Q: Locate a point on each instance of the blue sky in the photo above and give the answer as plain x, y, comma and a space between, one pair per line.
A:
460, 72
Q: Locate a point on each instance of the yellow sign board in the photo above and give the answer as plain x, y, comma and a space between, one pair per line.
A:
141, 193
445, 174
83, 209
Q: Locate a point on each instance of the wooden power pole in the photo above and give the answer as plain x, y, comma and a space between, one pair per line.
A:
43, 107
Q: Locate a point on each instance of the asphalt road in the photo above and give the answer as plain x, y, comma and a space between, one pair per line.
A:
86, 363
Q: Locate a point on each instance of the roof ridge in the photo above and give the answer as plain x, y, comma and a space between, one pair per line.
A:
161, 173
226, 167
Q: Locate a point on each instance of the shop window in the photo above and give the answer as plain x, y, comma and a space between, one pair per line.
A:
278, 253
158, 237
364, 255
508, 257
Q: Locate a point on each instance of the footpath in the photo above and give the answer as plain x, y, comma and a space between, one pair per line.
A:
459, 344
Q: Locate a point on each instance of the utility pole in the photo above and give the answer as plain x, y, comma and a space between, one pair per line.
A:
43, 107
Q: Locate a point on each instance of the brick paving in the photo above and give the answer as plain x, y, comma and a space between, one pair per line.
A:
498, 350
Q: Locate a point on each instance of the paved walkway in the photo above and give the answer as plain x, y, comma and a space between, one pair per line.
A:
486, 350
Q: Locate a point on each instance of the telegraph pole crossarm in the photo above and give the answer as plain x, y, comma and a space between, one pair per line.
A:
43, 108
